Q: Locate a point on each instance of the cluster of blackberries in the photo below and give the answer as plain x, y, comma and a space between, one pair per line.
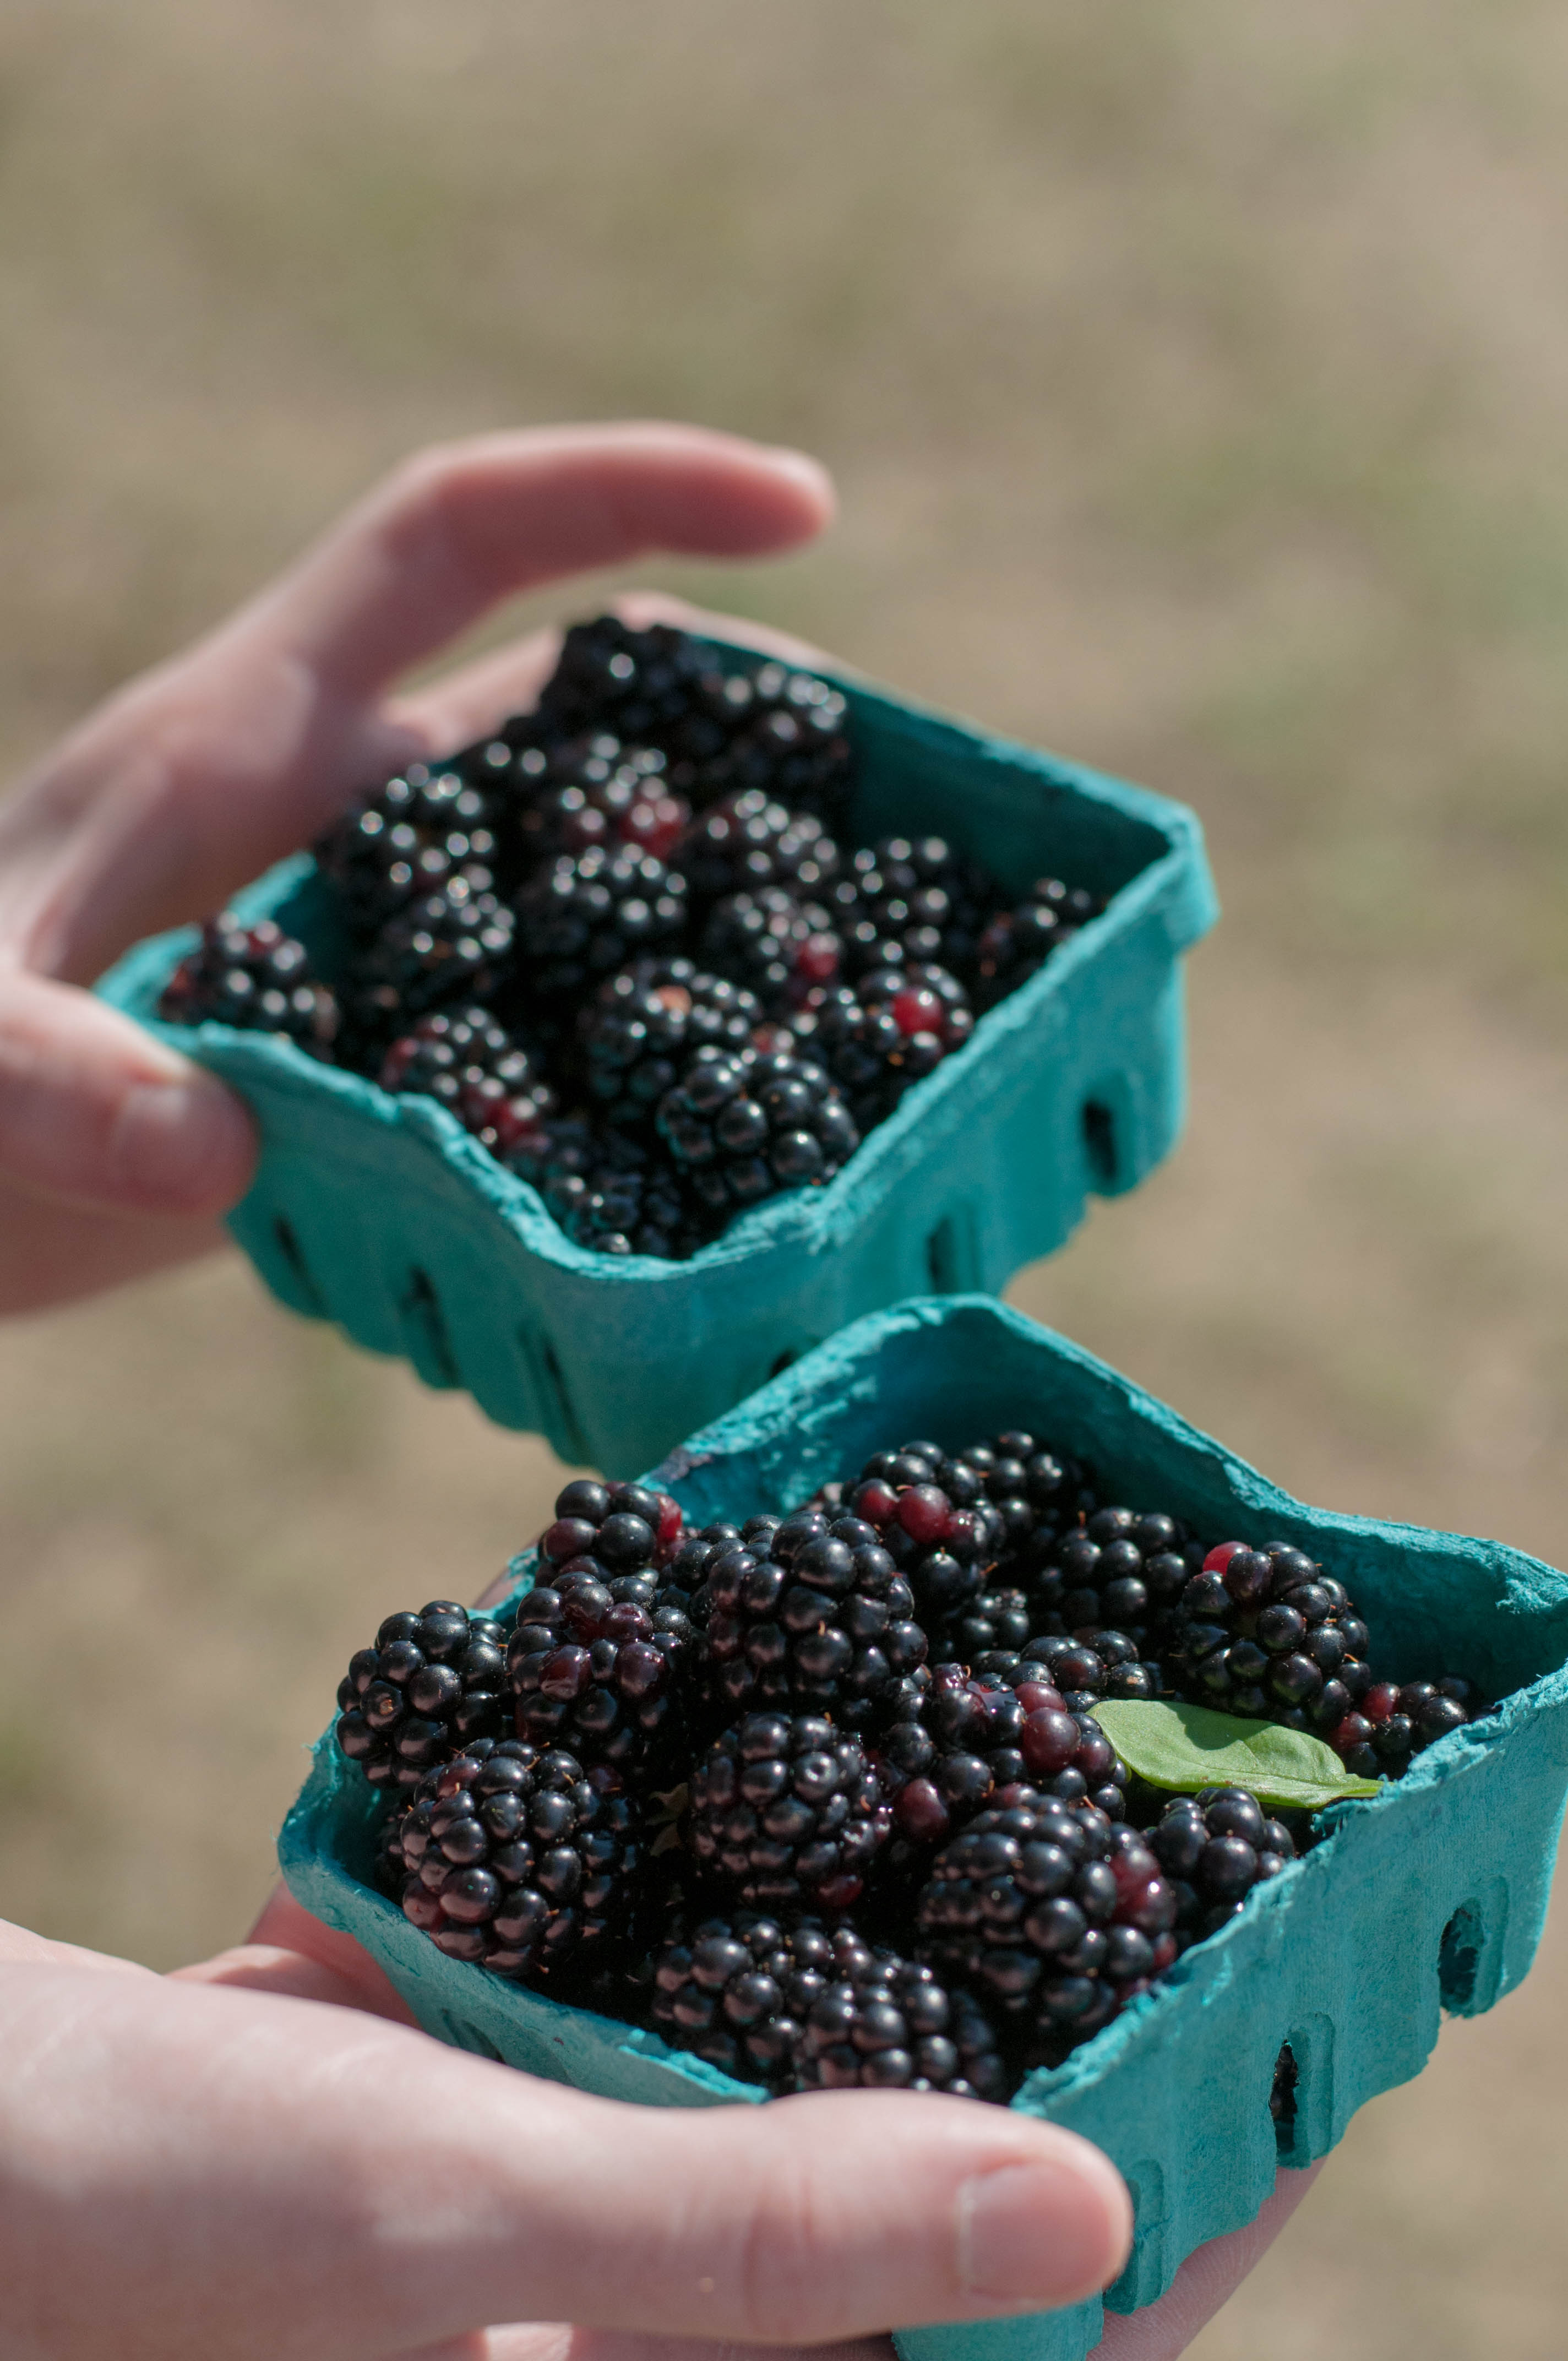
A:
822, 1796
631, 944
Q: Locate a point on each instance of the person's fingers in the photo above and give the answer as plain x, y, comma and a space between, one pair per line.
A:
52, 1254
289, 1952
96, 1113
1207, 2280
461, 526
242, 2155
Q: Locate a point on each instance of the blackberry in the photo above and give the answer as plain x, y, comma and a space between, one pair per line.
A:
592, 791
643, 1025
1387, 1725
886, 1033
889, 2024
787, 1811
471, 1065
912, 902
1115, 1568
779, 948
610, 1191
973, 1735
1215, 1847
587, 915
932, 1514
431, 1684
736, 1989
602, 1645
1018, 942
1052, 1914
747, 1126
410, 837
775, 730
749, 841
455, 942
1094, 1664
1265, 1632
643, 684
813, 1616
520, 1861
256, 978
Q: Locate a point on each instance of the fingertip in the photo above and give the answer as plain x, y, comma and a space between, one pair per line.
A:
812, 488
1046, 2229
186, 1145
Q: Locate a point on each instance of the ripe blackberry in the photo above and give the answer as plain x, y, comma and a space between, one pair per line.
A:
972, 1735
1215, 1847
779, 948
591, 791
583, 917
736, 1989
1387, 1725
912, 902
602, 1645
520, 1861
886, 1033
1115, 1568
933, 1515
1052, 1914
1018, 942
749, 841
453, 944
643, 684
642, 1026
787, 1812
772, 728
432, 1684
410, 837
1094, 1664
256, 978
888, 2025
472, 1066
814, 1616
1266, 1632
747, 1126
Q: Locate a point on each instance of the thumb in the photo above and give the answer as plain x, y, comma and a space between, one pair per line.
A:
95, 1112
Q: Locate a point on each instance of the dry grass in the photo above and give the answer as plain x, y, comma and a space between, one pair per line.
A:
1195, 382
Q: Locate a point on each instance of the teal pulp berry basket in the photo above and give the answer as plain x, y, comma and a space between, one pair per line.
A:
1429, 1897
382, 1214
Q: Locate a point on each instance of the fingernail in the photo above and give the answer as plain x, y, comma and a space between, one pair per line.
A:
1047, 2233
181, 1147
804, 468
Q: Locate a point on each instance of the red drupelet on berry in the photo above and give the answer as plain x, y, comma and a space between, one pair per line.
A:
1018, 942
747, 1127
787, 1813
471, 1065
971, 1736
1215, 1847
811, 1616
774, 945
520, 1861
256, 978
432, 1683
1389, 1724
887, 2024
1093, 1666
1055, 1915
881, 1035
590, 793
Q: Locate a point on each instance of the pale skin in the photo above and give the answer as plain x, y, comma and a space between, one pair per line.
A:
259, 2158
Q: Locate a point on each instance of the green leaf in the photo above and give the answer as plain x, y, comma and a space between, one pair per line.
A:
1187, 1747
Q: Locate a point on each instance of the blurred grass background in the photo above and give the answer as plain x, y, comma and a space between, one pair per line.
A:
1196, 382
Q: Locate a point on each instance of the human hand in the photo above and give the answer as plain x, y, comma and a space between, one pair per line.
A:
116, 1156
255, 2161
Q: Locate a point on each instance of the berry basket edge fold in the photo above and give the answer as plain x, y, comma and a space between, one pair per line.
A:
1430, 1898
382, 1215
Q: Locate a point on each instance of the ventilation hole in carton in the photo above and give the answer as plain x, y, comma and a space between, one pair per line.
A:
786, 1359
288, 1247
1459, 1959
1282, 2103
950, 1257
421, 1308
1099, 1143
